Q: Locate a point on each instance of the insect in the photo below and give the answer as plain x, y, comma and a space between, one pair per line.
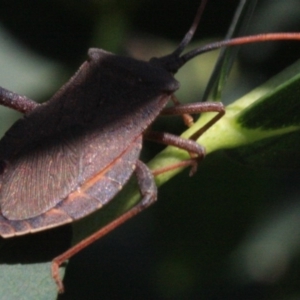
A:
78, 161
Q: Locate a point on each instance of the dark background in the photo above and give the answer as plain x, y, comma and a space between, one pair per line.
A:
231, 231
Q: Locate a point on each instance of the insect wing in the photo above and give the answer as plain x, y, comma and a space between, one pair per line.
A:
37, 179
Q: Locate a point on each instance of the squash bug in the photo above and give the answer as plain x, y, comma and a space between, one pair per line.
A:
88, 153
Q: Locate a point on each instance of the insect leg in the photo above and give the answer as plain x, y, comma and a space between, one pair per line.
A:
196, 108
186, 144
16, 101
148, 191
187, 118
190, 144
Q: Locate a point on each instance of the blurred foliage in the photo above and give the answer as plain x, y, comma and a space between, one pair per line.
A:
229, 232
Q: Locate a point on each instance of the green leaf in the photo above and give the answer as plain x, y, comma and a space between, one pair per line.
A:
267, 111
277, 152
31, 281
277, 109
25, 271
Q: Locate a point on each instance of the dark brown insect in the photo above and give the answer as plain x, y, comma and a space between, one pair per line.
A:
57, 168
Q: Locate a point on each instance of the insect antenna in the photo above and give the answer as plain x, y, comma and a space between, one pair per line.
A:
172, 62
189, 35
238, 41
